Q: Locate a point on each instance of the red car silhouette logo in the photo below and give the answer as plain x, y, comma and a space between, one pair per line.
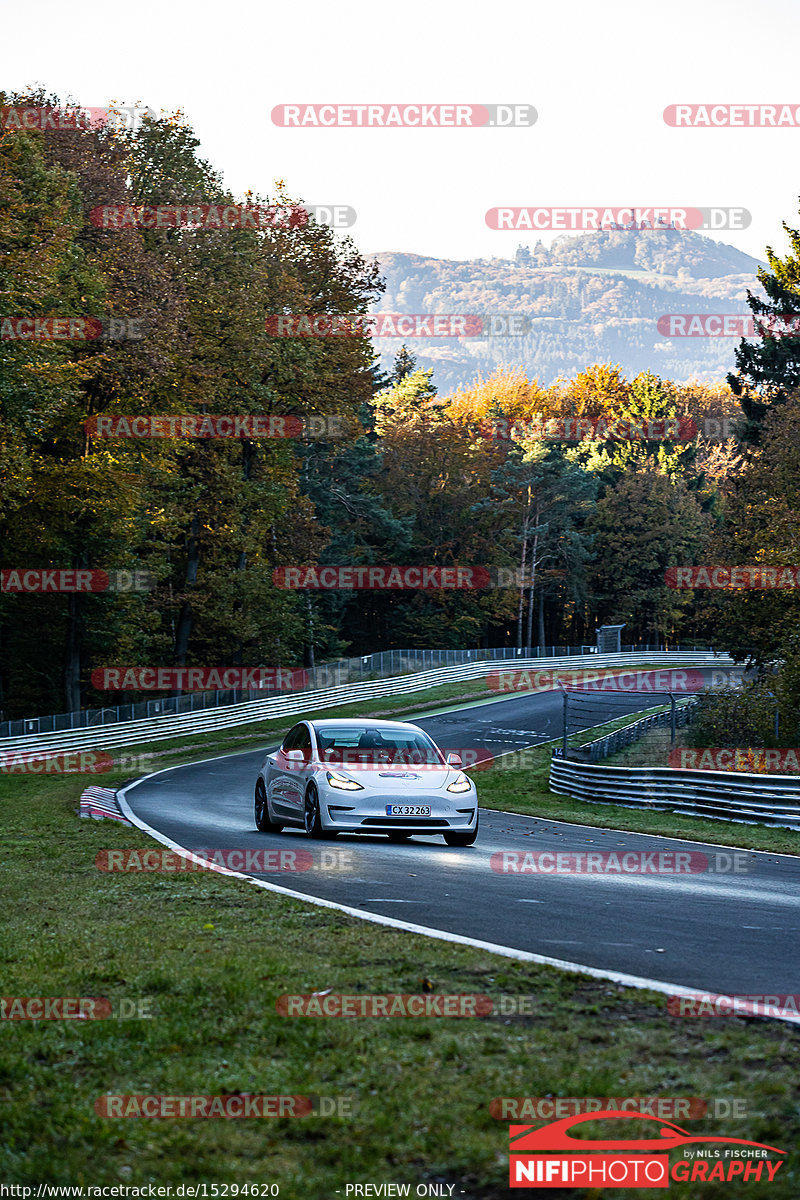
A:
527, 1138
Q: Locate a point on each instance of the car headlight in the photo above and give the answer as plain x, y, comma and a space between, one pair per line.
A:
342, 782
460, 784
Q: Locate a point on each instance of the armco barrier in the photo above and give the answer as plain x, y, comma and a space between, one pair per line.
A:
155, 729
383, 664
724, 795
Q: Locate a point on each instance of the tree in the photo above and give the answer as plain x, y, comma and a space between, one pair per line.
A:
70, 517
358, 527
542, 501
494, 405
210, 518
769, 368
432, 476
240, 505
760, 525
412, 395
405, 363
644, 403
599, 391
643, 524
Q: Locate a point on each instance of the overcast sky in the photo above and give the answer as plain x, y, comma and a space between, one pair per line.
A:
599, 76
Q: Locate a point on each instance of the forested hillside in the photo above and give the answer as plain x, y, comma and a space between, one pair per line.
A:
595, 297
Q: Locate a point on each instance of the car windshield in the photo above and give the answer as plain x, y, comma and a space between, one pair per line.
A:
365, 745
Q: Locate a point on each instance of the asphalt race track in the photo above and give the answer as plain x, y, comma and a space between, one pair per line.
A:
724, 932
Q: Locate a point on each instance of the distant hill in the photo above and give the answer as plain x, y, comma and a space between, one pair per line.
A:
595, 297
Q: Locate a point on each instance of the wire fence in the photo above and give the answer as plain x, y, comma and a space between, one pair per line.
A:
653, 734
587, 710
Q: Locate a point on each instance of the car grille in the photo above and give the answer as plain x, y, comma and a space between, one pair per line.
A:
384, 821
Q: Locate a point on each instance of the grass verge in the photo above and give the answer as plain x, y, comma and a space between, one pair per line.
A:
210, 955
520, 783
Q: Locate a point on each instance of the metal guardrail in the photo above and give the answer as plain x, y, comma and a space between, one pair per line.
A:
723, 795
367, 667
153, 729
626, 735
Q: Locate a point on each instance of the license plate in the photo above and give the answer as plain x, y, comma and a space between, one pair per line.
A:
408, 810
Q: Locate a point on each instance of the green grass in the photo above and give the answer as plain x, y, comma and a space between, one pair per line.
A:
421, 1087
652, 750
210, 955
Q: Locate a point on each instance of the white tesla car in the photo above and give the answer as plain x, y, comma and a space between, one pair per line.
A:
365, 776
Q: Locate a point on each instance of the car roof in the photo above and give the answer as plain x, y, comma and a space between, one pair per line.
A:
359, 722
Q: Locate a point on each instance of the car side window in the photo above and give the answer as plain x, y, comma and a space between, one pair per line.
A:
292, 739
304, 742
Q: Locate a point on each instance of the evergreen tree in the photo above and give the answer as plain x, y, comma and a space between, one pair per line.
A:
768, 369
405, 363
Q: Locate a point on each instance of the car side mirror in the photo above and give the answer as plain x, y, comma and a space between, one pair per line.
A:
454, 760
294, 755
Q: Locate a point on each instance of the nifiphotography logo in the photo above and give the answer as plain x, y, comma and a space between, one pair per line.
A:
630, 1163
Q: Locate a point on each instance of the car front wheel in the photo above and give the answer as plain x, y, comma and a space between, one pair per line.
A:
312, 818
461, 839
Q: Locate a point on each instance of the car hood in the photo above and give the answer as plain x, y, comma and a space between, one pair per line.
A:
411, 779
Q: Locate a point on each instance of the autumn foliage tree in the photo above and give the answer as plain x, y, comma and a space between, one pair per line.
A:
209, 518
